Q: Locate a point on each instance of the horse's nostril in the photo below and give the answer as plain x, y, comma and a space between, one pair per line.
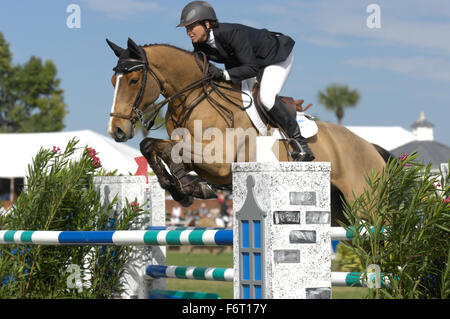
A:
119, 134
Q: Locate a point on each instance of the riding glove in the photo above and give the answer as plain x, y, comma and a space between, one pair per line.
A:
215, 72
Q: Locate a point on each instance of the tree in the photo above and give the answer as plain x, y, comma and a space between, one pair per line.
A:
5, 75
30, 97
337, 97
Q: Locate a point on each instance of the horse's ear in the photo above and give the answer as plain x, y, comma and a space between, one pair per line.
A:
134, 49
117, 50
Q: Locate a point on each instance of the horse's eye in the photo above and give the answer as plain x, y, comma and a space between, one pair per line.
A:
133, 81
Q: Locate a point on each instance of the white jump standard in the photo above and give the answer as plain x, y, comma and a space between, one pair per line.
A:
282, 230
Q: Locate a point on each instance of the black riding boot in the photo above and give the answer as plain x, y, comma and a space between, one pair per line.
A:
280, 114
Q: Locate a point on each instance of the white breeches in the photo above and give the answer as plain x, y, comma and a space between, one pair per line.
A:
273, 80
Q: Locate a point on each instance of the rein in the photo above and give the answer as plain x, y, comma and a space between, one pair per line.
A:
144, 65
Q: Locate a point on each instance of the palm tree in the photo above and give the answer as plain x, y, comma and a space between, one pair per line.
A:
337, 97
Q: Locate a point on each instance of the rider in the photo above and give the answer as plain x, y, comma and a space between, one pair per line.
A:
247, 53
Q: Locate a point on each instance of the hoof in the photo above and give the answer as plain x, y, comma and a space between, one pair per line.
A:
186, 201
204, 191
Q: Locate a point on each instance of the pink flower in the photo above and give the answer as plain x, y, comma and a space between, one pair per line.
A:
135, 205
92, 152
446, 200
437, 185
56, 149
95, 160
402, 158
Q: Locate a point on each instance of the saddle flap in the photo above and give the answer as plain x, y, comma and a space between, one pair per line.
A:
289, 102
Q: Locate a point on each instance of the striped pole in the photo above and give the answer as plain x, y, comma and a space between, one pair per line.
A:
338, 279
354, 279
190, 272
174, 294
340, 233
156, 235
194, 237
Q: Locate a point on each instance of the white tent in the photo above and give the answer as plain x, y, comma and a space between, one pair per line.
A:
18, 150
388, 137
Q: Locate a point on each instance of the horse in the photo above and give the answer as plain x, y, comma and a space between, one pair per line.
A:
143, 73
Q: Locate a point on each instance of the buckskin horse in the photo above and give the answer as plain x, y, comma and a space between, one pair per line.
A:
143, 73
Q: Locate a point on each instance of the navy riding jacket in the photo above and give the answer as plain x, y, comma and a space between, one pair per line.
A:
245, 50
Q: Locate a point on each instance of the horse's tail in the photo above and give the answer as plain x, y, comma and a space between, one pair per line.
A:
385, 154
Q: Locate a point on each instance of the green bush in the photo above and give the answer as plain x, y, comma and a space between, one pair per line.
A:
408, 207
60, 195
346, 259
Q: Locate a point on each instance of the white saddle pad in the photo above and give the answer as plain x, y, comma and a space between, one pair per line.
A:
308, 127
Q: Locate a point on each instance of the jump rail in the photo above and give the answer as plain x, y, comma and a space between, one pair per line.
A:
153, 236
192, 237
338, 279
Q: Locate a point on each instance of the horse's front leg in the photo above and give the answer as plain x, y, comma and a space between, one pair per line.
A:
180, 168
149, 148
179, 164
152, 149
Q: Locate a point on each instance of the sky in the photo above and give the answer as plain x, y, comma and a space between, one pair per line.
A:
394, 52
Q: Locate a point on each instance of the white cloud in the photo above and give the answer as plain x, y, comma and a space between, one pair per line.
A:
412, 24
323, 41
122, 9
415, 24
418, 67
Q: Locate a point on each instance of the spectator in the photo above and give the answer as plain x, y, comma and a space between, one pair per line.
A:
203, 211
176, 214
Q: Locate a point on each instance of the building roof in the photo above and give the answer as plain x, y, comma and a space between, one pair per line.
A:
397, 140
422, 122
388, 137
23, 147
429, 151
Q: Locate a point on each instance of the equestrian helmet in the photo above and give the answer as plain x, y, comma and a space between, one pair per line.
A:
196, 11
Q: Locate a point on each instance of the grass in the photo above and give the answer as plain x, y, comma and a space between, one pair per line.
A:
225, 289
203, 259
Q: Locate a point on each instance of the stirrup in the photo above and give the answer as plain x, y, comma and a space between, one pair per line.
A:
301, 154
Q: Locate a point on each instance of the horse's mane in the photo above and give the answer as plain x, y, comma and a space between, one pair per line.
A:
168, 45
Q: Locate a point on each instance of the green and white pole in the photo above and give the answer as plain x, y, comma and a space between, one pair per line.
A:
190, 272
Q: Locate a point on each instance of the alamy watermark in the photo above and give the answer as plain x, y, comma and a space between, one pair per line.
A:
73, 21
373, 276
373, 21
74, 279
211, 145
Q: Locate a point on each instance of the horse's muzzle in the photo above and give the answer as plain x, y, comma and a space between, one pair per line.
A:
119, 135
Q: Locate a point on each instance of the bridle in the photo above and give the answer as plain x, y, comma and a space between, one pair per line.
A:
130, 65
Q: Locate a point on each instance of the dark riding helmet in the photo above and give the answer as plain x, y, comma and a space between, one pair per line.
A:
196, 11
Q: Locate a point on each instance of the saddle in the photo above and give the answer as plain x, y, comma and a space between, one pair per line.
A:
292, 105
